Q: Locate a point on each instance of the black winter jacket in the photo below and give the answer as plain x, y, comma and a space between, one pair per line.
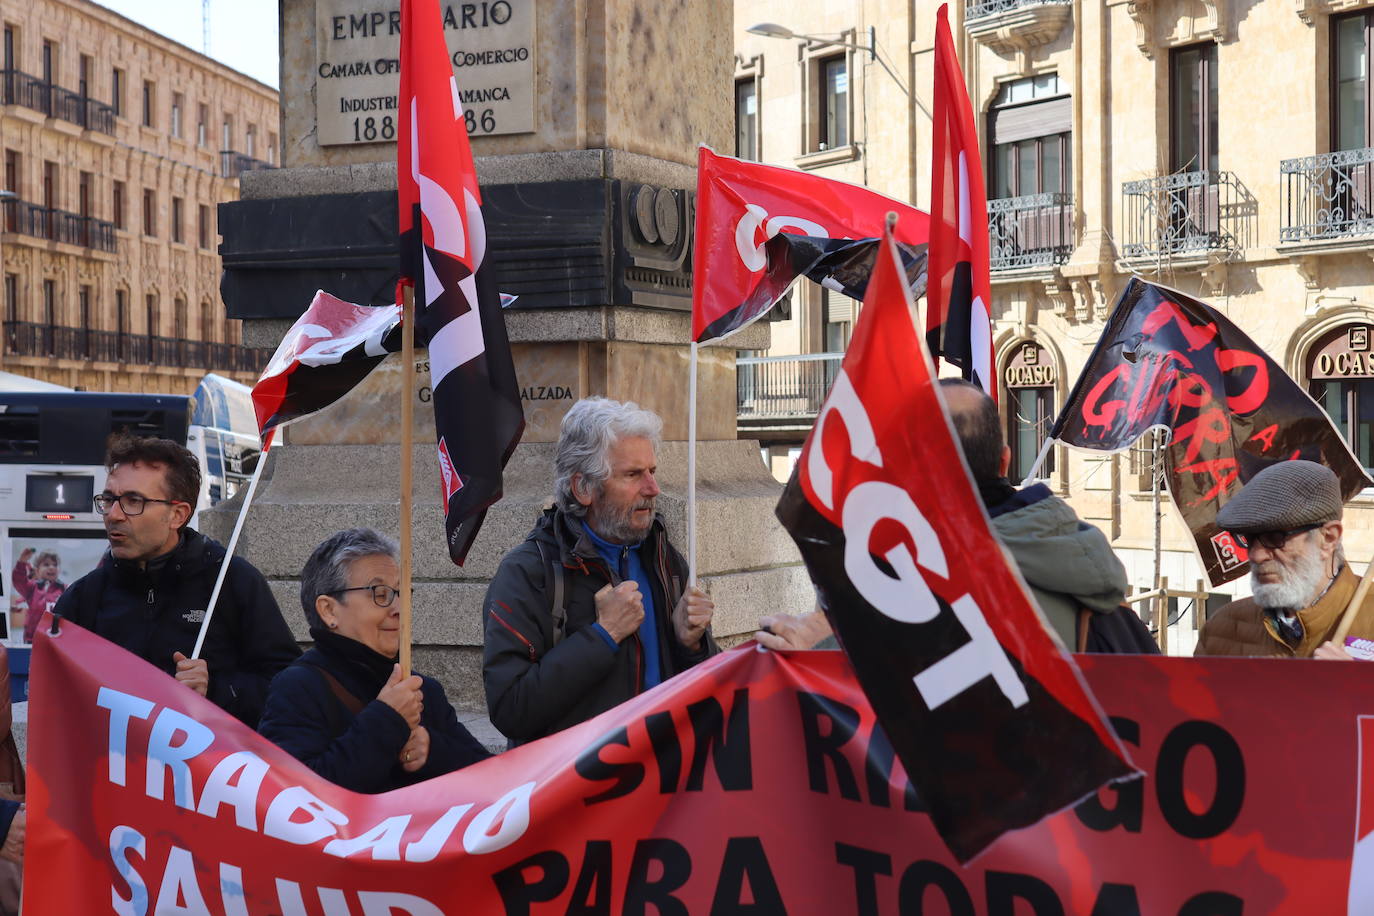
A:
534, 687
359, 752
155, 612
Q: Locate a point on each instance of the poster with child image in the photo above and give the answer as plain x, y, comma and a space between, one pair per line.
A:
40, 569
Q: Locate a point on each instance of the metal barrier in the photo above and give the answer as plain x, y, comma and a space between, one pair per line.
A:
20, 88
1327, 197
784, 386
232, 164
990, 7
56, 225
26, 338
1185, 213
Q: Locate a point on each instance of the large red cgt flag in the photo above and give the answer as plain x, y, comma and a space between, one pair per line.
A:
986, 711
760, 227
959, 296
477, 409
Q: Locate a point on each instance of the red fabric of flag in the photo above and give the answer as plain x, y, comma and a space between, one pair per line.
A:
959, 296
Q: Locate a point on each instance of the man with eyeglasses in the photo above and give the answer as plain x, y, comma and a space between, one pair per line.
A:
1289, 519
152, 588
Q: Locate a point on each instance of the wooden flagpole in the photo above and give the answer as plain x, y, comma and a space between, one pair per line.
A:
1352, 610
407, 455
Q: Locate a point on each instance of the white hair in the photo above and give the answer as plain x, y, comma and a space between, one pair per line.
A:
589, 430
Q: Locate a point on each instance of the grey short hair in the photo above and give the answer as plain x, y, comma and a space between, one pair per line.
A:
589, 430
327, 569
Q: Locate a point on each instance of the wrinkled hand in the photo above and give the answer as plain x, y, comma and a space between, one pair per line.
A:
416, 752
620, 610
692, 616
784, 631
1332, 652
193, 672
403, 695
14, 840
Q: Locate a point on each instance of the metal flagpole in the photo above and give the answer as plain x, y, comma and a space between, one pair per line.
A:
692, 472
407, 455
233, 542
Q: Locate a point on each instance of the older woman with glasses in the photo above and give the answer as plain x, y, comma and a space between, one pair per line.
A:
343, 707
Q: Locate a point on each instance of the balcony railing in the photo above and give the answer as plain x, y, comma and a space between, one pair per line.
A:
232, 164
25, 338
20, 88
1185, 214
783, 387
1035, 230
56, 225
992, 7
1327, 197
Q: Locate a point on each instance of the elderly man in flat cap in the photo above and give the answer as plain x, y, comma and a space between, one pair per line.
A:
1289, 518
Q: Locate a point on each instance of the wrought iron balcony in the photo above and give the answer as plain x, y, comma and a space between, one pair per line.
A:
232, 164
1185, 214
978, 10
784, 387
26, 338
20, 88
1035, 230
1327, 197
56, 225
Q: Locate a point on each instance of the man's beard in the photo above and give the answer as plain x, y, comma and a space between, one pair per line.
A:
1302, 581
619, 527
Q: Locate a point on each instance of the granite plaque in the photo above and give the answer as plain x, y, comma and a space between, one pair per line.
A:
357, 67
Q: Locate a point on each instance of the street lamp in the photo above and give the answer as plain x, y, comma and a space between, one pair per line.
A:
773, 30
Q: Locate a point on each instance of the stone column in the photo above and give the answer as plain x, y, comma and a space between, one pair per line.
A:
622, 93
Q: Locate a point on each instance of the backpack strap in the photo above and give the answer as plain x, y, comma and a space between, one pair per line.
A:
555, 576
348, 700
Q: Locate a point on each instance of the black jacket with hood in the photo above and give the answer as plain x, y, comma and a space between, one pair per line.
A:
537, 684
157, 611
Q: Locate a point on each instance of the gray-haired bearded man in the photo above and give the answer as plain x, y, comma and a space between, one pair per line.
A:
1289, 518
593, 607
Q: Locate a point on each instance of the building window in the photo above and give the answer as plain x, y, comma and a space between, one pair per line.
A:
84, 191
11, 50
50, 186
11, 298
202, 124
250, 141
49, 317
1030, 380
1029, 128
49, 61
1350, 114
1340, 369
176, 220
149, 212
178, 102
12, 172
117, 91
207, 322
1193, 109
834, 102
203, 226
149, 98
747, 118
179, 318
838, 312
226, 140
151, 316
85, 326
117, 199
122, 325
83, 81
271, 148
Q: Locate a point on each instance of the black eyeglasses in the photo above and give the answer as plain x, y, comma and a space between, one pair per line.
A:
1271, 540
382, 595
130, 503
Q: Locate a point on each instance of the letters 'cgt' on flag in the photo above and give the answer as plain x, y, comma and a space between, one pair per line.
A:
959, 296
759, 228
986, 711
477, 412
331, 348
1168, 360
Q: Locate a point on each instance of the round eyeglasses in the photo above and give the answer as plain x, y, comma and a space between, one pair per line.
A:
382, 595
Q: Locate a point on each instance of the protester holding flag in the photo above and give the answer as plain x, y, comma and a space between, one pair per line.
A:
343, 708
151, 592
1289, 519
595, 606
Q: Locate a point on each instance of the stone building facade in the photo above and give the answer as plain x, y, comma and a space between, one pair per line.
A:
1223, 148
118, 146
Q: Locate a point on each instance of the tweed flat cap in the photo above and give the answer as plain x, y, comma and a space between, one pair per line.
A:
1286, 495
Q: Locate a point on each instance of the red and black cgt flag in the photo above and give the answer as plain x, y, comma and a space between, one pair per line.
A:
331, 348
477, 409
959, 297
990, 717
759, 228
1168, 360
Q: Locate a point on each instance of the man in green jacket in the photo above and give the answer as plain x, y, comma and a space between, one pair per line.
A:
1068, 564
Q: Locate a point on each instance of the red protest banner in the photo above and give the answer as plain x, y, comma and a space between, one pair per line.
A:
755, 783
